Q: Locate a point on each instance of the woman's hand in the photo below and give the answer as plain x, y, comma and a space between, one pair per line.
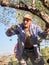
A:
9, 32
47, 30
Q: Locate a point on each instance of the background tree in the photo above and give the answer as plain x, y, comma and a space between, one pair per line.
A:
36, 7
39, 9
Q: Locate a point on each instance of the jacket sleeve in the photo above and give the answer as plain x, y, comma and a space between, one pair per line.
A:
12, 30
41, 33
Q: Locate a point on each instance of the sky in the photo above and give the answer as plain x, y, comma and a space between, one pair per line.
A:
7, 43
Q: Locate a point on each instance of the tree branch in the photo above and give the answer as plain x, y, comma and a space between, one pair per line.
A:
45, 3
34, 11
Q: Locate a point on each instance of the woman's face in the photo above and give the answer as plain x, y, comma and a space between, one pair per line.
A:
27, 22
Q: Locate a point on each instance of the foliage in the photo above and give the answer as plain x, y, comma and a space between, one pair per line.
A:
45, 52
18, 14
13, 61
40, 6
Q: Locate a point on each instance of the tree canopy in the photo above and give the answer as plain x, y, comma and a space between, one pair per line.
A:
39, 8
